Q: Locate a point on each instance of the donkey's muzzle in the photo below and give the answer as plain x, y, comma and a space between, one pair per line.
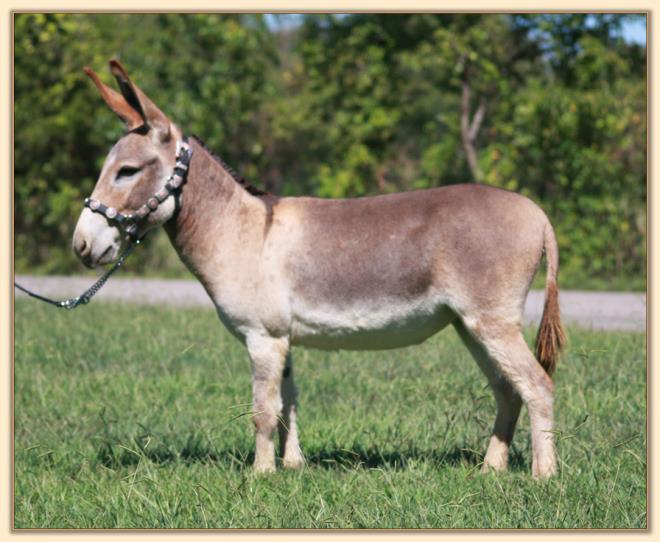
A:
94, 243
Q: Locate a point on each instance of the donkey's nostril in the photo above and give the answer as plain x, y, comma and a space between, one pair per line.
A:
82, 248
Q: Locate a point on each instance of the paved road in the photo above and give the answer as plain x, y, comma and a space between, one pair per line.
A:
592, 310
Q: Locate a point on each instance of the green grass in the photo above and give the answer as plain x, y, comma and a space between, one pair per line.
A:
137, 417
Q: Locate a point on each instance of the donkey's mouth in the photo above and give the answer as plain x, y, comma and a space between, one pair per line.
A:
108, 256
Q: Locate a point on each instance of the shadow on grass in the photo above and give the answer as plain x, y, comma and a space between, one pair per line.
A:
195, 450
373, 458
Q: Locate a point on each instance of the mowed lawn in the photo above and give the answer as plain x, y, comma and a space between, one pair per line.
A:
139, 417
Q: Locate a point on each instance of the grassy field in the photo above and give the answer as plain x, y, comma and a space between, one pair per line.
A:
137, 417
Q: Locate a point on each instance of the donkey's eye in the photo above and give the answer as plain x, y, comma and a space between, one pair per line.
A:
127, 171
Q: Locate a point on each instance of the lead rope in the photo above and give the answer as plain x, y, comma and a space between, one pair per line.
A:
87, 295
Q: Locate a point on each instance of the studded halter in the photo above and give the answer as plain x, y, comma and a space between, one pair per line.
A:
130, 223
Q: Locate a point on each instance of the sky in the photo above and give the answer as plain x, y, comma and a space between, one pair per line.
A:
633, 31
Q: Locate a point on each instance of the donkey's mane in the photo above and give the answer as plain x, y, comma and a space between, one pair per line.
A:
238, 178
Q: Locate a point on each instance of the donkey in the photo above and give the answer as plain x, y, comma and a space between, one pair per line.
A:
365, 273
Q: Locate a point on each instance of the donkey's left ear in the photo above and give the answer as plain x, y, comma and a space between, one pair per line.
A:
138, 100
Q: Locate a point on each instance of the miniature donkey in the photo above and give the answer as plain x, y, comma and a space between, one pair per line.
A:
366, 273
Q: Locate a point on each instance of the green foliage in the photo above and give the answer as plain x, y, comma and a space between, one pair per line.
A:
153, 430
209, 72
350, 105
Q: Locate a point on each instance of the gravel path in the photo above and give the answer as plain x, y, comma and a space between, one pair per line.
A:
592, 310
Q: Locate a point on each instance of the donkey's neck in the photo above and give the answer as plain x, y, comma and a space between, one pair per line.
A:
215, 211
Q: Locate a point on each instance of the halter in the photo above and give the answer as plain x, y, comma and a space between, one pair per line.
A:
129, 224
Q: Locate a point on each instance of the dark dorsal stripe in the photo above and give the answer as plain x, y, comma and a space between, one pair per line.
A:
238, 178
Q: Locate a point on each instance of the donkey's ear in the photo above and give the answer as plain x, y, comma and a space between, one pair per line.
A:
116, 101
138, 100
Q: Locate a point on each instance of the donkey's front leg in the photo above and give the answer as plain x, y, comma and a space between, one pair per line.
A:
267, 355
292, 457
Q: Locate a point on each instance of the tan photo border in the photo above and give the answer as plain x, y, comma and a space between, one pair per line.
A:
6, 245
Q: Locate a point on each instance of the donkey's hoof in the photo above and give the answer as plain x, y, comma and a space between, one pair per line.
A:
293, 463
493, 467
263, 468
544, 472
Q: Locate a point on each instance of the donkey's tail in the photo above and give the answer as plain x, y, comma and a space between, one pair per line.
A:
550, 338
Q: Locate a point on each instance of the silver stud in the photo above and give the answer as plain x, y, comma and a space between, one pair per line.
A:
162, 194
111, 212
94, 205
152, 203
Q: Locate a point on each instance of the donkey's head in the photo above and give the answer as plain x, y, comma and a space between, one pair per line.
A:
135, 169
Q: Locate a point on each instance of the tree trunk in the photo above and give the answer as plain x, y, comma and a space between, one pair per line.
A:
470, 129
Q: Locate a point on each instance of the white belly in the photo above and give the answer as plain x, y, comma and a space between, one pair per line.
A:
390, 325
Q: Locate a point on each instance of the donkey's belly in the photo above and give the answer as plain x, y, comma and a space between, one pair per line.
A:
375, 328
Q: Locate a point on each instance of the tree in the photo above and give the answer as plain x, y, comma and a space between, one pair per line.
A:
550, 105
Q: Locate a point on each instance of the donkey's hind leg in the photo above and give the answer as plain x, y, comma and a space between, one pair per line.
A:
508, 403
292, 457
518, 366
